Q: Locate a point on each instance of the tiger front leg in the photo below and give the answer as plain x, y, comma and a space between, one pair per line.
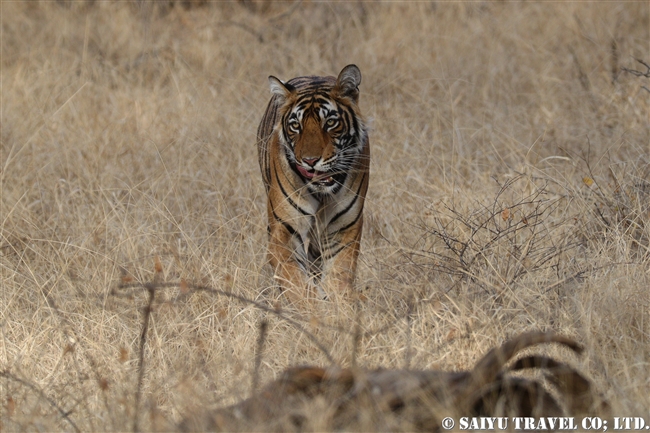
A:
287, 271
340, 271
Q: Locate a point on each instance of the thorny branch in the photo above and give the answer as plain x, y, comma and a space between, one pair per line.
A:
636, 73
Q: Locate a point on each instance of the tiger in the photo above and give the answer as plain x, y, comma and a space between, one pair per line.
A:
314, 155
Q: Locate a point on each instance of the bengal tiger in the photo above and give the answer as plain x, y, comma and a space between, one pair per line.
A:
314, 155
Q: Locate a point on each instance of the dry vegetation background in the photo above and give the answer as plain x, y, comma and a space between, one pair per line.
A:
509, 192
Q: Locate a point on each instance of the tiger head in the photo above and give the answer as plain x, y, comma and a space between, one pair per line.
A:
320, 127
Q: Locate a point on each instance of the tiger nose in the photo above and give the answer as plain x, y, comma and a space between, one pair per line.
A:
310, 161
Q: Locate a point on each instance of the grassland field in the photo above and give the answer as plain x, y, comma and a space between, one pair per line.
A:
509, 191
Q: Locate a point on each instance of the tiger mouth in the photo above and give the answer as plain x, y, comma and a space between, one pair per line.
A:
320, 177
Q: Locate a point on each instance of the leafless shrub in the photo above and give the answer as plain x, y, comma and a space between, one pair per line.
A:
636, 73
619, 203
499, 240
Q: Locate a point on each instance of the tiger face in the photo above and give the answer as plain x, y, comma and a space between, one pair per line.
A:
321, 131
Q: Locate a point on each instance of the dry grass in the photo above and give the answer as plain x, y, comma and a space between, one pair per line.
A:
509, 192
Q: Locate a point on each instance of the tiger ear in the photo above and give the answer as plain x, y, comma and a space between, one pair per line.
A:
347, 84
278, 88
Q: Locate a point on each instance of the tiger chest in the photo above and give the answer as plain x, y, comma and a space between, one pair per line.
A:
318, 233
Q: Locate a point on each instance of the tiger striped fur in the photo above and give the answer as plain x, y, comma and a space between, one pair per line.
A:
314, 154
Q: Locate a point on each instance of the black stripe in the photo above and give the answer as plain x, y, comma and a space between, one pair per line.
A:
344, 211
286, 225
351, 224
266, 165
329, 256
283, 121
322, 100
356, 126
350, 123
310, 80
293, 166
339, 178
292, 232
302, 263
287, 139
291, 202
268, 176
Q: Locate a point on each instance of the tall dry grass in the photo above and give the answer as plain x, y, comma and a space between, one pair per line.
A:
509, 192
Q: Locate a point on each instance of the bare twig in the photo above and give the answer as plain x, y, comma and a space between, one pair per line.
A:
151, 289
409, 332
636, 73
286, 13
258, 354
356, 336
246, 28
582, 76
71, 336
244, 300
517, 228
64, 414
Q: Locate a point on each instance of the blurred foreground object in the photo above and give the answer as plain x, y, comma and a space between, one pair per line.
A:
313, 398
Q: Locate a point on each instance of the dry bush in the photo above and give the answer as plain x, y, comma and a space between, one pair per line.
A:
515, 234
645, 74
127, 157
